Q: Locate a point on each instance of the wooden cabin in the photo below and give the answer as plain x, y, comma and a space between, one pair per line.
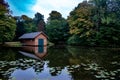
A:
34, 39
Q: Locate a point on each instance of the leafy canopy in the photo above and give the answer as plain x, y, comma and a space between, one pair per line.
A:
57, 28
7, 23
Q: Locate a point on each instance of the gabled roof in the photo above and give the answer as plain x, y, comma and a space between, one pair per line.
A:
31, 35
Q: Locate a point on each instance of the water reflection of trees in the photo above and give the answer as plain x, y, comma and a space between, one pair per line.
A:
67, 56
81, 75
58, 57
93, 55
77, 61
7, 54
76, 55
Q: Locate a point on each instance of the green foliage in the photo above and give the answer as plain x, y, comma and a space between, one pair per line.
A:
4, 8
81, 25
80, 20
74, 40
24, 25
96, 23
7, 29
55, 15
57, 29
7, 23
39, 22
28, 24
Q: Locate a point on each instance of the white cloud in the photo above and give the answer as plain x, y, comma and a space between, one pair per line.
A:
63, 6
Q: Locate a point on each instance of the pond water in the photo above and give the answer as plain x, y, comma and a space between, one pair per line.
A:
59, 63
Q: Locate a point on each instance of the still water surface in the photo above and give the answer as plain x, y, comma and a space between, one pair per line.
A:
59, 63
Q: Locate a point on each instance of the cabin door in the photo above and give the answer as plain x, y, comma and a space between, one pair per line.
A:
41, 42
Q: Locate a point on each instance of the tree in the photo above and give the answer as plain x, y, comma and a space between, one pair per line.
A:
95, 23
81, 25
7, 23
106, 15
28, 23
55, 15
57, 28
39, 21
24, 25
4, 8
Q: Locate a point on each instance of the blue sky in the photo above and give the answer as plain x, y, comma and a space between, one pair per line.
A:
30, 7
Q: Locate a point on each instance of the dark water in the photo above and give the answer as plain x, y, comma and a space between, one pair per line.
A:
59, 63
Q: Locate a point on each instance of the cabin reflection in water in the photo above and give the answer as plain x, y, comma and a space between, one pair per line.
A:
34, 52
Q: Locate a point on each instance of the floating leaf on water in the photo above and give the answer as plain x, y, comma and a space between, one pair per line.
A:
115, 71
82, 64
77, 66
94, 64
112, 73
113, 78
118, 70
11, 69
21, 64
114, 62
70, 71
91, 66
106, 73
52, 71
12, 78
59, 72
103, 76
20, 59
87, 69
58, 68
67, 66
47, 62
39, 63
73, 66
95, 68
33, 61
98, 76
37, 70
2, 72
51, 68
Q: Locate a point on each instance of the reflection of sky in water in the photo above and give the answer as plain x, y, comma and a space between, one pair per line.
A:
24, 74
30, 74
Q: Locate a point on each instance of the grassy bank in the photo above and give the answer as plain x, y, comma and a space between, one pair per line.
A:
12, 44
18, 44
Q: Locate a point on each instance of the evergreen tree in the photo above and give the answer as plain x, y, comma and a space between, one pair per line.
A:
39, 21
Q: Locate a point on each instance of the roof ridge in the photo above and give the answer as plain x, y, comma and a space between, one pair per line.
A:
31, 35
